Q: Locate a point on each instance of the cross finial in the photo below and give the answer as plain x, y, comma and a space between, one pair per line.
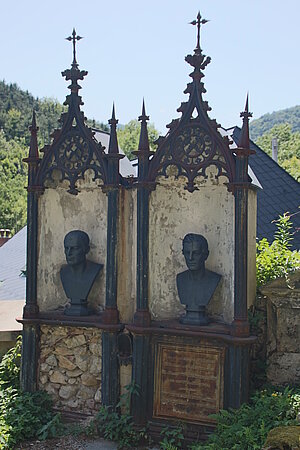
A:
74, 37
198, 22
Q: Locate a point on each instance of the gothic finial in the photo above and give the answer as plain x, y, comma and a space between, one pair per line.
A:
74, 74
144, 139
113, 147
74, 37
33, 148
198, 22
244, 141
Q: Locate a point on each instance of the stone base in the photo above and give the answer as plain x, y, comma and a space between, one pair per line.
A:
70, 367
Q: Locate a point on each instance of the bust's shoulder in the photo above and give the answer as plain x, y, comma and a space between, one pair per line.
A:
94, 267
182, 275
64, 269
212, 275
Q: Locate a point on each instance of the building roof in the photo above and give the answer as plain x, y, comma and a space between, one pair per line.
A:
280, 192
12, 263
126, 167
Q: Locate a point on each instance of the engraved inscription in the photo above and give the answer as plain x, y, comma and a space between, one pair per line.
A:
188, 382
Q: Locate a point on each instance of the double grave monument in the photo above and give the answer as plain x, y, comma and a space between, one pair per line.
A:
144, 279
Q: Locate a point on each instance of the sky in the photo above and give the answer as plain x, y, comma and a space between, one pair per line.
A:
134, 49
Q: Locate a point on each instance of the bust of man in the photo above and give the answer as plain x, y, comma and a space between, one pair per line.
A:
79, 274
197, 284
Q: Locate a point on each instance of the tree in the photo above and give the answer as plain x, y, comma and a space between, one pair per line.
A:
13, 179
288, 147
292, 166
288, 142
129, 136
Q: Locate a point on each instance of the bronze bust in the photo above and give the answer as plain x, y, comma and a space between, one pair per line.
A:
196, 285
79, 274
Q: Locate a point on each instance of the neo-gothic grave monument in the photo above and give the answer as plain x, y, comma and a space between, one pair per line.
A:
142, 319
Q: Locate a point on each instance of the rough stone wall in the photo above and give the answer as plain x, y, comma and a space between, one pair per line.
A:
175, 212
70, 367
59, 213
283, 330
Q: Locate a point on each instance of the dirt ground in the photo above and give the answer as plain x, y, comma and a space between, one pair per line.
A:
63, 443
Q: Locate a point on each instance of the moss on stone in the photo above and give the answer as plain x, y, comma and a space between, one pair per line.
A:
283, 438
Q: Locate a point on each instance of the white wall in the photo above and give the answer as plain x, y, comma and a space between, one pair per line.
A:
174, 212
59, 213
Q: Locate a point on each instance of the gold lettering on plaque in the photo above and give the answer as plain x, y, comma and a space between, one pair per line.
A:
188, 381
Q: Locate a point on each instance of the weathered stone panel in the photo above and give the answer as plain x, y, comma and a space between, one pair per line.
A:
59, 213
175, 212
283, 329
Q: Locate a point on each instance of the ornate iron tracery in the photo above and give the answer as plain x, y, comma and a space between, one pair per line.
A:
193, 143
74, 149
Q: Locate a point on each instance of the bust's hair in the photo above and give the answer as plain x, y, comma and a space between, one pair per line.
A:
192, 237
84, 237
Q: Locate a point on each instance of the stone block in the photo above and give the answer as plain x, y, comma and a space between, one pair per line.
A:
66, 363
97, 397
68, 391
95, 367
74, 373
82, 362
58, 377
88, 380
51, 361
85, 392
75, 341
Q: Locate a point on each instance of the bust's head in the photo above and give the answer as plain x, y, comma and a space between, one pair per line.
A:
77, 245
195, 251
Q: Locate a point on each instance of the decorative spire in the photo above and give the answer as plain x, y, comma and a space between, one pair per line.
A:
33, 148
198, 22
74, 74
74, 38
144, 139
244, 141
198, 60
113, 141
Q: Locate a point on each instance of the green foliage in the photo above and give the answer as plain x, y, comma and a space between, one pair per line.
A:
292, 166
276, 260
52, 428
128, 137
13, 174
16, 108
288, 142
23, 415
114, 425
247, 427
172, 438
288, 147
290, 115
10, 367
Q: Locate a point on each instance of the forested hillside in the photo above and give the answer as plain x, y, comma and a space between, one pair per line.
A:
264, 124
16, 108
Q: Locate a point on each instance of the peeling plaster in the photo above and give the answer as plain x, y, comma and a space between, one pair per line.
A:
59, 213
174, 212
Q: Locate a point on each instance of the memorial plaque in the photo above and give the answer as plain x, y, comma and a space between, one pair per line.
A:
188, 381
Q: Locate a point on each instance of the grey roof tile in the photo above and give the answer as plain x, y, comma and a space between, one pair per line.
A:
12, 262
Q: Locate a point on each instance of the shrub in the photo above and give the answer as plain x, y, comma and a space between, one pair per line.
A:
277, 259
247, 427
23, 415
10, 366
117, 424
